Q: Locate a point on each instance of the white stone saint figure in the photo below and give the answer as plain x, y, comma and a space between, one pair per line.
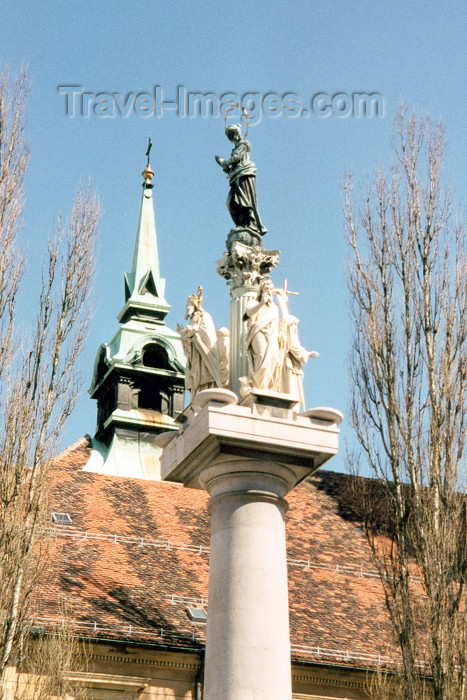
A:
262, 339
200, 343
294, 355
223, 349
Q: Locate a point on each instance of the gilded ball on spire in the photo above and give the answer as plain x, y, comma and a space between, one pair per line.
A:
148, 173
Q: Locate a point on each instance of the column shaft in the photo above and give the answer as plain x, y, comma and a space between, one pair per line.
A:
242, 298
248, 644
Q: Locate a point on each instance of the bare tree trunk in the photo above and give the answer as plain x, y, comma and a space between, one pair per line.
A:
51, 665
38, 377
408, 286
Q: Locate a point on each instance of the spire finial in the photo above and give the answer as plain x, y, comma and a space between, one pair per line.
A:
149, 149
148, 172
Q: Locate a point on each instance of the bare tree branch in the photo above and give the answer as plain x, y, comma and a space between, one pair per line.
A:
39, 381
408, 366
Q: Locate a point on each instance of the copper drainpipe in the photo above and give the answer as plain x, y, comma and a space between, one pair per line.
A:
199, 678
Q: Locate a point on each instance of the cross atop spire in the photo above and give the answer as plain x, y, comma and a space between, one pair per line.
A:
149, 150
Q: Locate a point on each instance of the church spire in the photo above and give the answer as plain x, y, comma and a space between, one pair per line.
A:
138, 379
144, 287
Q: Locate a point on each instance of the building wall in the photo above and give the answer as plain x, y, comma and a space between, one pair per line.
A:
130, 673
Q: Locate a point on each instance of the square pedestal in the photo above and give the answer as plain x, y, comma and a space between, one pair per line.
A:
263, 427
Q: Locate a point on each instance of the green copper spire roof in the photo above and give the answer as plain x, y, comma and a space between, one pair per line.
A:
144, 287
138, 379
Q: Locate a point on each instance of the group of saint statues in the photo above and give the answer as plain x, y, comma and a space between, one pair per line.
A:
271, 344
275, 355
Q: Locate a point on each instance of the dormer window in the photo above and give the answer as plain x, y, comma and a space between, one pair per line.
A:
154, 355
197, 614
61, 519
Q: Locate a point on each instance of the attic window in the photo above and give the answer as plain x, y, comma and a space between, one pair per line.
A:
61, 519
197, 614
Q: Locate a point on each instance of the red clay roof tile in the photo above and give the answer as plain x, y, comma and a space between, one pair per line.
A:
137, 554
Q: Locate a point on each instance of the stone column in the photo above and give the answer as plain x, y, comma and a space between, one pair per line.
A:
248, 456
242, 298
248, 619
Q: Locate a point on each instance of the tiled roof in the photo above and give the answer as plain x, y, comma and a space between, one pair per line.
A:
136, 555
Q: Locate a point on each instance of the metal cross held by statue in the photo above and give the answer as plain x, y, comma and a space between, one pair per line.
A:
286, 291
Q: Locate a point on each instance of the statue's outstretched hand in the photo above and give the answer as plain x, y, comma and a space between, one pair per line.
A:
220, 161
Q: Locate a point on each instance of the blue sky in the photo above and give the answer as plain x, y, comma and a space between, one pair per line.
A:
412, 51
